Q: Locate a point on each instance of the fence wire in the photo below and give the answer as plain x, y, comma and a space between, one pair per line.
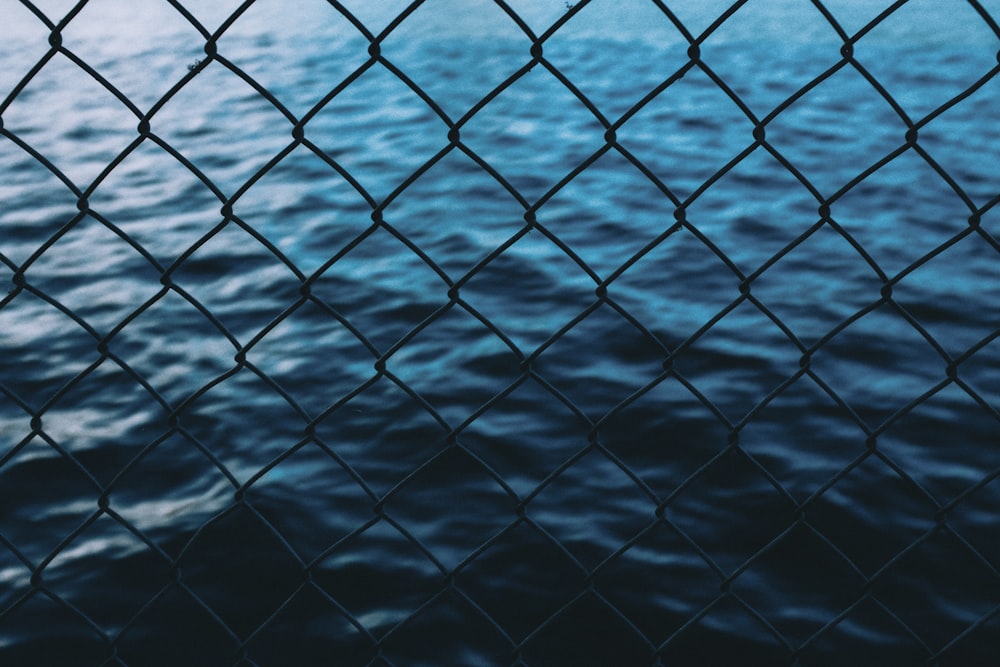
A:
99, 566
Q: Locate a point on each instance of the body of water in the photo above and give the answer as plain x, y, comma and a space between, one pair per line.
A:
452, 350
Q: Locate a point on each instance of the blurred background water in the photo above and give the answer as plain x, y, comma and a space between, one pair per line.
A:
704, 397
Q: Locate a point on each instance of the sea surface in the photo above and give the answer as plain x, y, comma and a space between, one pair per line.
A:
363, 333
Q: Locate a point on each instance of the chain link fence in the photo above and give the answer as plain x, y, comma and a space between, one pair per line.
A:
499, 333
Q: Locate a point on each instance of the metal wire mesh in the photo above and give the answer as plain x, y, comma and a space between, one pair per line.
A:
553, 601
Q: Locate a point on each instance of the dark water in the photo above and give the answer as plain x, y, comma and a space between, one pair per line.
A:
537, 416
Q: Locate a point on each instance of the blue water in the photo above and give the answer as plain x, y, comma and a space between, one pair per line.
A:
400, 378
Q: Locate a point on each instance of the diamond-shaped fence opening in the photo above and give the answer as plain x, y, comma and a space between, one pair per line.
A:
462, 522
456, 54
551, 579
527, 265
620, 509
456, 188
80, 153
765, 60
827, 438
593, 57
138, 572
169, 490
971, 586
502, 436
382, 417
102, 420
814, 577
968, 160
534, 132
659, 582
480, 637
378, 592
667, 422
810, 316
661, 134
40, 205
749, 233
610, 183
917, 434
948, 65
896, 240
970, 261
31, 524
308, 534
499, 332
152, 35
131, 195
853, 631
727, 631
828, 146
254, 44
